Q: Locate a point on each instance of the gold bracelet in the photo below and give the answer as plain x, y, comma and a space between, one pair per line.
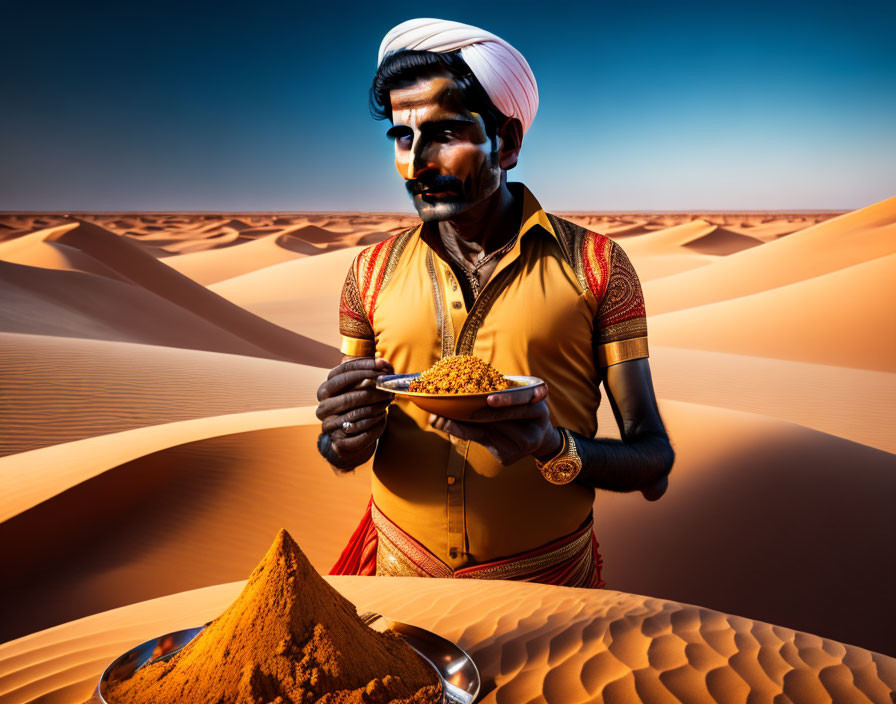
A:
565, 466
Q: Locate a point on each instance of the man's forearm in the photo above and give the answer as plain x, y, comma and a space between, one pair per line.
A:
629, 465
344, 463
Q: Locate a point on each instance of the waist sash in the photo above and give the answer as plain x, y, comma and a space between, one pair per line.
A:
571, 561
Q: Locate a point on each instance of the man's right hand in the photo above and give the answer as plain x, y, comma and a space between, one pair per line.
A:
349, 395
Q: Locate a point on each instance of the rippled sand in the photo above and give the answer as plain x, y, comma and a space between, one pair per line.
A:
531, 642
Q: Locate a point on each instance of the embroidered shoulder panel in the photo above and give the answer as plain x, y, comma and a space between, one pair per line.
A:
602, 266
588, 253
353, 320
621, 314
369, 274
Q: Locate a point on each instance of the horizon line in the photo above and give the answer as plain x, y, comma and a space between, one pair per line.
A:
684, 211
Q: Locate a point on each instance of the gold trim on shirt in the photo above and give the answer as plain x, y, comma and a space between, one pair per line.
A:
622, 351
443, 318
357, 348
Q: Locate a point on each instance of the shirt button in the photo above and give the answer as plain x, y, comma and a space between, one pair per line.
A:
456, 304
451, 480
452, 553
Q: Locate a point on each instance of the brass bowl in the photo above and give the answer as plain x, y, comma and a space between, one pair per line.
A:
456, 669
457, 406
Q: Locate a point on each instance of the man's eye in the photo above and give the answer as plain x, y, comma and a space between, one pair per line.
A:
444, 135
403, 141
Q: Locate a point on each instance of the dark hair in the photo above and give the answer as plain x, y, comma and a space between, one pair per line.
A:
411, 64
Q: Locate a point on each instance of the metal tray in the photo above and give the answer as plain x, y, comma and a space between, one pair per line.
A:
458, 672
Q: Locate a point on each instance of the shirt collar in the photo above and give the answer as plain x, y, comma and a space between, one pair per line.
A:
533, 213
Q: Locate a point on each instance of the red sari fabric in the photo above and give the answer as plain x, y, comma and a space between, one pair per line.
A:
572, 561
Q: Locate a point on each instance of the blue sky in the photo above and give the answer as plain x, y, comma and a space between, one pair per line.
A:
263, 106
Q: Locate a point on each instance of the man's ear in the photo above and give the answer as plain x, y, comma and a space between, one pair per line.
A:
511, 136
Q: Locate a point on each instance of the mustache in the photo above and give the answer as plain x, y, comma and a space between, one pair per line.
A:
435, 183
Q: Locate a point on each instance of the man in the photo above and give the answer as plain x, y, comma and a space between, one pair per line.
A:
487, 272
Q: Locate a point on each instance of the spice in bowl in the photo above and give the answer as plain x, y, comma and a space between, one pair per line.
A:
459, 374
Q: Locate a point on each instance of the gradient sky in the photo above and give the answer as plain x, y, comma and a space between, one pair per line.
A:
263, 106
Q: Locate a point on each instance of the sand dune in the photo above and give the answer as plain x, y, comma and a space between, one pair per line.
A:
234, 224
152, 275
722, 242
163, 237
853, 238
730, 465
225, 239
530, 643
210, 266
136, 471
52, 255
351, 223
20, 224
156, 510
167, 234
854, 404
624, 229
845, 318
41, 301
324, 272
655, 266
38, 475
271, 293
314, 235
157, 249
668, 240
667, 251
646, 221
64, 389
258, 232
770, 230
38, 249
765, 519
370, 238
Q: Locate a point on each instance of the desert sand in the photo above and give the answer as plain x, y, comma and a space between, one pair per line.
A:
158, 377
531, 642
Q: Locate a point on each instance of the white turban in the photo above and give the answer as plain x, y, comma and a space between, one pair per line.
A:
503, 72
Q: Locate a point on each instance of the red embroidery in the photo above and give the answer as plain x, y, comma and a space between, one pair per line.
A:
353, 320
623, 299
371, 264
596, 261
383, 257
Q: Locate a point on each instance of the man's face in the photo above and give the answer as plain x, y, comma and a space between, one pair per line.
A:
441, 148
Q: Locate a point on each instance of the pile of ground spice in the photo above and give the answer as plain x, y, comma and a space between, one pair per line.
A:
290, 638
459, 374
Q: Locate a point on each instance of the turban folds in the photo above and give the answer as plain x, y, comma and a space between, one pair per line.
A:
503, 72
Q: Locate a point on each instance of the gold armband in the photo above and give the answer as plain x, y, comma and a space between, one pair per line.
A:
622, 351
356, 347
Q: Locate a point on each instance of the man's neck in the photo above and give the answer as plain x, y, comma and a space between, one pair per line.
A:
489, 224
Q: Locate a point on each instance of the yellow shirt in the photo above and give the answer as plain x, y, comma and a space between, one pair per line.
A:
560, 303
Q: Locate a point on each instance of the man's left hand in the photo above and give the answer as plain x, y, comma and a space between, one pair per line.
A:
510, 428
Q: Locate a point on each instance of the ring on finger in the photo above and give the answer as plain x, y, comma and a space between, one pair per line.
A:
346, 425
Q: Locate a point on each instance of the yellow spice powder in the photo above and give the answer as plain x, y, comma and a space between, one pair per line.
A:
459, 374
